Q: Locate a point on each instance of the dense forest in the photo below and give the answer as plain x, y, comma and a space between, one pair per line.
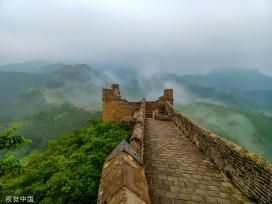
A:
68, 171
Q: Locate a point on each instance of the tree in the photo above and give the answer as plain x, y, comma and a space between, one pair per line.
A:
10, 140
69, 170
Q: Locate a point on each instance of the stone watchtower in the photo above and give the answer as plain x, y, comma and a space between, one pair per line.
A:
115, 108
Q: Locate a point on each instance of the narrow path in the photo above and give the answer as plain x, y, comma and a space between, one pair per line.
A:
178, 173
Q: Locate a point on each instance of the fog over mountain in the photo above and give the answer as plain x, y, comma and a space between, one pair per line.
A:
234, 102
185, 37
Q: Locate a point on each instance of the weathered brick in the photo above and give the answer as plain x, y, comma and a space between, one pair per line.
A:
211, 200
197, 198
175, 188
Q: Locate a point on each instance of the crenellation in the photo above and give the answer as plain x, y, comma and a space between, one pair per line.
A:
115, 90
167, 96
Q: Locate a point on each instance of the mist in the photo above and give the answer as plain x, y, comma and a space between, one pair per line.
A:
184, 37
238, 126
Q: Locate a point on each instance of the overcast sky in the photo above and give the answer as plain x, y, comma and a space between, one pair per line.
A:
185, 36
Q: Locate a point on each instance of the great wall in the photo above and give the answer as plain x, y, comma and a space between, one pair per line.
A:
172, 160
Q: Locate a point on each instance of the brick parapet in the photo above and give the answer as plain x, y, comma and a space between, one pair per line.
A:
249, 172
123, 177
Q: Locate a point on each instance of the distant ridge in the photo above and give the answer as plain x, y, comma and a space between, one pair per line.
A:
28, 66
230, 78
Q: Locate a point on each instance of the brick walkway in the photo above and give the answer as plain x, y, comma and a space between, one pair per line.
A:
178, 173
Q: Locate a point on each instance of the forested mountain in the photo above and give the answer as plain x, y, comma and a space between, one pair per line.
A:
23, 96
20, 93
81, 85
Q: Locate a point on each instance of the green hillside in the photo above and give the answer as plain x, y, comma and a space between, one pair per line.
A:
249, 129
20, 93
47, 124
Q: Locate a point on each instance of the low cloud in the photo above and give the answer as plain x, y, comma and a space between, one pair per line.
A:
168, 36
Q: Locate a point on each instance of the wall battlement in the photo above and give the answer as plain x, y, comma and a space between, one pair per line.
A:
117, 109
123, 177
